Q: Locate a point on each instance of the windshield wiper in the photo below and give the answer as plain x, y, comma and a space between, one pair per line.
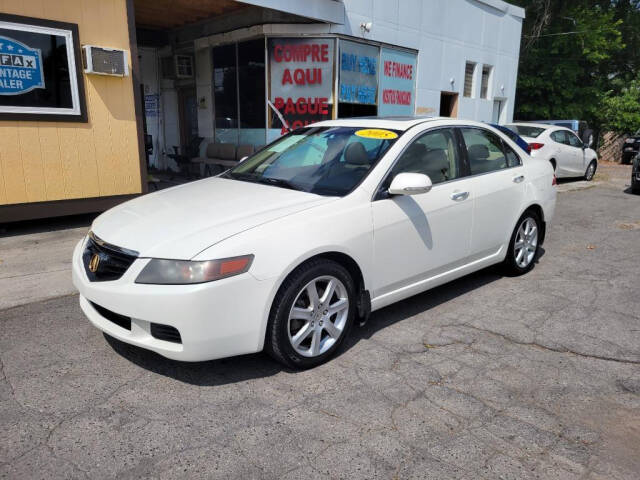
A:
241, 176
279, 182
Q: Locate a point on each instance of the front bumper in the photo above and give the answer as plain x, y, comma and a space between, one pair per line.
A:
216, 319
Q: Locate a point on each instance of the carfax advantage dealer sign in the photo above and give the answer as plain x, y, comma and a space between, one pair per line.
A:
20, 67
40, 70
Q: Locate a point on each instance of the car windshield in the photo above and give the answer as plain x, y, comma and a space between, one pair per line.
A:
321, 160
526, 130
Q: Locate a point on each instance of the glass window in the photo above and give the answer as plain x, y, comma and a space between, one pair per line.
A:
560, 136
321, 160
526, 130
225, 87
184, 66
574, 141
469, 70
484, 150
484, 84
251, 80
46, 84
433, 154
513, 160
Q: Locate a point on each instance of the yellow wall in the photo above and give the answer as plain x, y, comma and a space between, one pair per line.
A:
42, 161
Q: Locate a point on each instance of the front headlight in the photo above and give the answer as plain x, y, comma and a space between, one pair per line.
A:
182, 272
630, 140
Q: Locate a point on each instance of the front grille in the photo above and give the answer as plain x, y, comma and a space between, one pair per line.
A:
113, 261
165, 332
120, 320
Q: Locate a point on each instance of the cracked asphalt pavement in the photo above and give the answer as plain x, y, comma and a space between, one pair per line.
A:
486, 377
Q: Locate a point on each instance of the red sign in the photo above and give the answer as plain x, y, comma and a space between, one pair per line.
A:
301, 72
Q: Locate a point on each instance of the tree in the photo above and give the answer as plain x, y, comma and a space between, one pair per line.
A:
621, 111
575, 55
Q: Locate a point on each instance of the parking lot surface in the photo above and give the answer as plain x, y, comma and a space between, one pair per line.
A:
486, 377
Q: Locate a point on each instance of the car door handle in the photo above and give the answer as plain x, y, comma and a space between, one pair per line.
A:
518, 179
459, 196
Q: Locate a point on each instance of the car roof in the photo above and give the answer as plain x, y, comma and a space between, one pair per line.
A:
394, 122
532, 124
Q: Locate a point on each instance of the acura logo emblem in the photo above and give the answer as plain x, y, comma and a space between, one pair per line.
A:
94, 262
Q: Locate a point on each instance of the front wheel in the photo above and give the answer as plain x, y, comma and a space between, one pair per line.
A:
591, 171
523, 246
311, 314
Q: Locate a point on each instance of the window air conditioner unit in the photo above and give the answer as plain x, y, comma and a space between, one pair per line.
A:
105, 61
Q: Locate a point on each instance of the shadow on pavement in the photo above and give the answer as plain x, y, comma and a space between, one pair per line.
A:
46, 225
258, 365
211, 373
421, 303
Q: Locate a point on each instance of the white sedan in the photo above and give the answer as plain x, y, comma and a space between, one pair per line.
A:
286, 251
560, 146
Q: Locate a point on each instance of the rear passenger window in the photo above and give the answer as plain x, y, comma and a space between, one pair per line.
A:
433, 154
560, 136
484, 151
573, 140
513, 160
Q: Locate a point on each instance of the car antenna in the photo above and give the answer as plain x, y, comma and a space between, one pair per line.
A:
284, 122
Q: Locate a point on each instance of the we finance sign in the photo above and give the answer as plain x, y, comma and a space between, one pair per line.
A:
20, 67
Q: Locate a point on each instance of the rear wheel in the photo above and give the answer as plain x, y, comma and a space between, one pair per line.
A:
311, 314
591, 171
524, 243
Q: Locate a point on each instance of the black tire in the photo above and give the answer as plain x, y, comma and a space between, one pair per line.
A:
510, 265
277, 343
589, 173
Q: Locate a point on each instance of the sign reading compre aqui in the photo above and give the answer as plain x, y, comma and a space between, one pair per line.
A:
301, 79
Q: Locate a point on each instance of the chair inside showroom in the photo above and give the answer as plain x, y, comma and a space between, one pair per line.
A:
183, 156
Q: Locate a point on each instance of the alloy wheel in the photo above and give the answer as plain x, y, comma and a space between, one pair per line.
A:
318, 316
591, 171
526, 242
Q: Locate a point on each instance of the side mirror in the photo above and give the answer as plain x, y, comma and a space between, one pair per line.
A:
410, 184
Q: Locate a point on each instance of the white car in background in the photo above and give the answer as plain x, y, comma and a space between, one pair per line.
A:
569, 156
288, 249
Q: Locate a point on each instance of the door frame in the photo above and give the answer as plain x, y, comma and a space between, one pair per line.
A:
183, 92
455, 99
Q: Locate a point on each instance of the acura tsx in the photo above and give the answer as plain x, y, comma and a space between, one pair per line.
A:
290, 248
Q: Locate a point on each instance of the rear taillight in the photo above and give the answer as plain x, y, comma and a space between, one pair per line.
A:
555, 180
536, 146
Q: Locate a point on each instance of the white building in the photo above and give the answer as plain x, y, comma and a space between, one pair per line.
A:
209, 71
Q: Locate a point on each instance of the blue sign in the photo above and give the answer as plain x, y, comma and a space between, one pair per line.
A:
20, 67
358, 73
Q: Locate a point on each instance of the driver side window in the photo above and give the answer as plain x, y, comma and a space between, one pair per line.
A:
433, 154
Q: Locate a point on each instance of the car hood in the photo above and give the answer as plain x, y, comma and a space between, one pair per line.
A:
182, 221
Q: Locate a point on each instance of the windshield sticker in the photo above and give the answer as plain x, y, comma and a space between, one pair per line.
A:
377, 133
